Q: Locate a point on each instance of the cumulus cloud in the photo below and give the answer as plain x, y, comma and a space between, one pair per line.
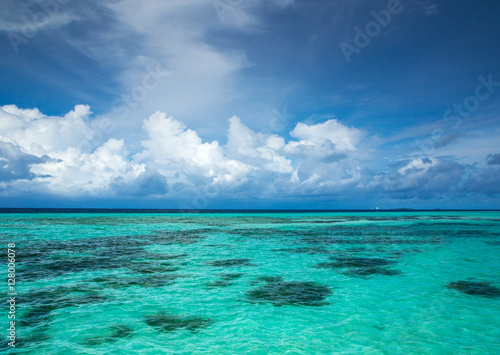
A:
50, 153
47, 150
15, 165
257, 149
326, 154
178, 152
38, 134
428, 175
418, 165
75, 173
45, 154
328, 157
332, 131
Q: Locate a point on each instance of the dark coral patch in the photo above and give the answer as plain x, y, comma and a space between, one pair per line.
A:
43, 302
280, 293
170, 322
153, 281
219, 283
361, 262
262, 279
48, 259
361, 267
231, 276
149, 281
42, 259
117, 332
368, 271
159, 256
185, 237
121, 331
475, 288
231, 263
151, 268
225, 281
305, 250
37, 315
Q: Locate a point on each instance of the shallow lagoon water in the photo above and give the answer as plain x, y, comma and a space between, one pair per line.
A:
258, 283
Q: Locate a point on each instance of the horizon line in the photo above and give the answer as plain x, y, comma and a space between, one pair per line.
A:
216, 210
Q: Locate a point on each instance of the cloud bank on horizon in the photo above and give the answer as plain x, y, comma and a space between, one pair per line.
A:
46, 155
191, 104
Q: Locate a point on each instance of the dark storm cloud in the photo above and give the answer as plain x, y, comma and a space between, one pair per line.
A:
14, 164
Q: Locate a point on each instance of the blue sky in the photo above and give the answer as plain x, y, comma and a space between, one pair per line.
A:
250, 104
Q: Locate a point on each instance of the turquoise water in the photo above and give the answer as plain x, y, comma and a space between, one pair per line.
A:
288, 283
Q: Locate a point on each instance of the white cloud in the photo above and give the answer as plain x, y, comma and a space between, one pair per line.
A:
172, 152
173, 149
74, 173
418, 165
66, 169
43, 154
332, 131
38, 134
419, 177
258, 149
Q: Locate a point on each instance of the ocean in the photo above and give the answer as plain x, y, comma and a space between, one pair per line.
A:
252, 283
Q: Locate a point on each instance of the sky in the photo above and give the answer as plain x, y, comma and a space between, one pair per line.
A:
250, 104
